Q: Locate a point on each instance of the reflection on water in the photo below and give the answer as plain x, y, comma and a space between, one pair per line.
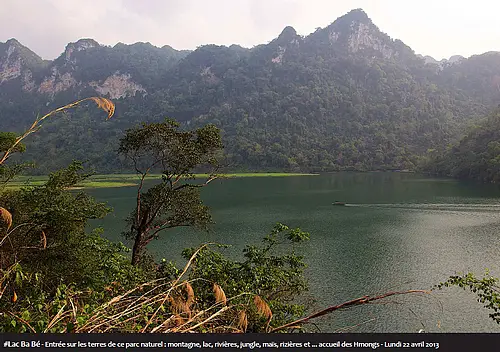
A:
396, 232
465, 207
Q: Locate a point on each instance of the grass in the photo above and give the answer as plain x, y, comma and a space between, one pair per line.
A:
134, 177
267, 174
105, 184
127, 180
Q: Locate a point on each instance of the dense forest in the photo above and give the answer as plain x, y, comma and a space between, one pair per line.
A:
346, 97
476, 156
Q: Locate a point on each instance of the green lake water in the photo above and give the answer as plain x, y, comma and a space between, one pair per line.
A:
397, 231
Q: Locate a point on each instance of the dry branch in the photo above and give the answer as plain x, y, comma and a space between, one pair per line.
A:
354, 302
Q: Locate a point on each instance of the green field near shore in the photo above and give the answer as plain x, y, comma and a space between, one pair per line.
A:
127, 180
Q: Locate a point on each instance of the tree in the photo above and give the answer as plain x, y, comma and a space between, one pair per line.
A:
175, 201
8, 172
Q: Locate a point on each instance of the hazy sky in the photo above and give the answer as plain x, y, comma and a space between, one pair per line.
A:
439, 28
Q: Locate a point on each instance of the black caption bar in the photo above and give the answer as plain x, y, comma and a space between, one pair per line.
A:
250, 342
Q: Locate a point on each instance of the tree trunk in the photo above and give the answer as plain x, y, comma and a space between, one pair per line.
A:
137, 250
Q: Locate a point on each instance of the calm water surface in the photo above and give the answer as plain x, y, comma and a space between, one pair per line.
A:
397, 232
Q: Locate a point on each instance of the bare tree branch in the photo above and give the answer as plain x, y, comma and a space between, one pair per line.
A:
357, 301
210, 179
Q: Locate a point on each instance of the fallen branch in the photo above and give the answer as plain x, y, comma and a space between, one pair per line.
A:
354, 302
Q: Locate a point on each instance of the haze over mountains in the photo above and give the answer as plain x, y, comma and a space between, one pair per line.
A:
345, 97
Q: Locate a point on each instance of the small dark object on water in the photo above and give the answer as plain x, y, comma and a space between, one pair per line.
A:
339, 203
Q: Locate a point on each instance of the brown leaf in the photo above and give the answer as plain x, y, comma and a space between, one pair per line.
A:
220, 296
177, 304
190, 294
44, 240
105, 104
242, 321
14, 297
186, 309
6, 216
262, 307
178, 320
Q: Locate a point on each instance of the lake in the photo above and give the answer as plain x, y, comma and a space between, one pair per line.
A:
397, 231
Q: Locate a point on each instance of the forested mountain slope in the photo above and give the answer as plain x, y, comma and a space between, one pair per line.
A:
345, 97
476, 156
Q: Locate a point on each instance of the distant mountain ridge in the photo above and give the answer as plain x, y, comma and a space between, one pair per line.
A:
452, 60
67, 71
347, 96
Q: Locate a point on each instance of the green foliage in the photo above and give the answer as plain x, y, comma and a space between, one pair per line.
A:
273, 271
40, 309
50, 263
161, 146
9, 172
477, 77
7, 139
486, 288
145, 62
49, 225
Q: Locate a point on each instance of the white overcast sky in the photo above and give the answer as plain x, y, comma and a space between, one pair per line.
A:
439, 28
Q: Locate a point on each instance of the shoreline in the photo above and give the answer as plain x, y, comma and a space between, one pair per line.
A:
130, 180
127, 180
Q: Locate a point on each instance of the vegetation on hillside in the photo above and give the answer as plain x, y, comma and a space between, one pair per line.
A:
318, 103
476, 156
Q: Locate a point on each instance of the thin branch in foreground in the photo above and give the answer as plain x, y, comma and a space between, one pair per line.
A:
354, 302
23, 321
